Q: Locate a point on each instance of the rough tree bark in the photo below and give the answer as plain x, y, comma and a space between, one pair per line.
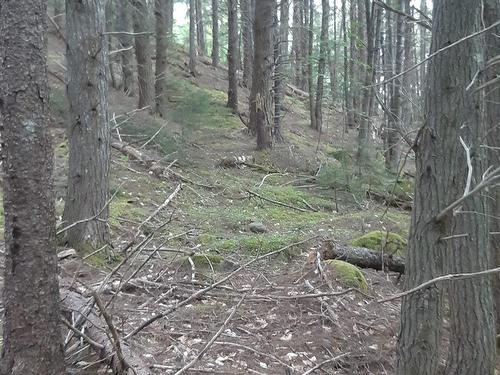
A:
192, 37
347, 101
110, 14
492, 96
32, 341
170, 19
200, 29
124, 24
232, 54
145, 77
260, 95
323, 53
88, 130
215, 33
297, 43
161, 18
451, 113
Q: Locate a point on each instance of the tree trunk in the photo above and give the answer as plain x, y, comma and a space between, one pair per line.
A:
310, 50
170, 19
145, 77
110, 12
88, 131
323, 53
353, 77
347, 77
280, 59
124, 24
451, 113
247, 36
297, 43
161, 57
215, 33
492, 14
200, 29
260, 95
333, 58
32, 341
393, 146
192, 37
232, 55
423, 48
59, 14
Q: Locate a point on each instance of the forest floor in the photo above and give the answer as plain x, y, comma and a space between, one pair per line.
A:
204, 234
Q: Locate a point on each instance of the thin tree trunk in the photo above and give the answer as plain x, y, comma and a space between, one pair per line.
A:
170, 19
260, 95
215, 33
423, 47
192, 37
110, 12
32, 341
161, 18
88, 131
246, 35
441, 175
347, 77
392, 152
232, 55
280, 58
124, 24
145, 77
310, 84
200, 29
333, 59
353, 77
297, 38
323, 53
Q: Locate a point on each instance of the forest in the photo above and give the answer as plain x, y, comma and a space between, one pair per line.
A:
250, 187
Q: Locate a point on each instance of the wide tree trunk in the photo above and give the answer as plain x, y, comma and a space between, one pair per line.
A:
145, 77
161, 18
260, 95
88, 130
451, 113
247, 17
192, 37
232, 54
215, 33
492, 14
32, 340
126, 43
200, 29
323, 53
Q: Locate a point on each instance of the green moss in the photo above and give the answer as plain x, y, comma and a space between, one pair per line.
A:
389, 242
123, 206
403, 189
348, 274
341, 155
258, 244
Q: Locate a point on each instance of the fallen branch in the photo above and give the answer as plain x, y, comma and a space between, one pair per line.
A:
321, 364
278, 203
162, 206
201, 292
390, 200
212, 340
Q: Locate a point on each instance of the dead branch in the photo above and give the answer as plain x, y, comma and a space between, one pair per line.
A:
455, 276
201, 292
252, 193
424, 23
321, 364
212, 340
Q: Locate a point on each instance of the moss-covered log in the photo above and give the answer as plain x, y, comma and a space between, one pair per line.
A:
363, 257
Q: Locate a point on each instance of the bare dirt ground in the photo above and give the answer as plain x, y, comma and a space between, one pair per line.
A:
276, 316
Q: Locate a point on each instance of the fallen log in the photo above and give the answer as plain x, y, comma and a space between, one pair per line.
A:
390, 200
296, 91
363, 257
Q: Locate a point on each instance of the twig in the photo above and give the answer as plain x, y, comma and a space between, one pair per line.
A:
276, 202
201, 292
319, 365
487, 180
162, 206
274, 358
92, 343
424, 24
212, 340
60, 231
153, 137
469, 167
440, 279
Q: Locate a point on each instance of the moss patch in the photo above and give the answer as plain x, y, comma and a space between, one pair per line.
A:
389, 242
348, 274
258, 244
205, 262
125, 207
